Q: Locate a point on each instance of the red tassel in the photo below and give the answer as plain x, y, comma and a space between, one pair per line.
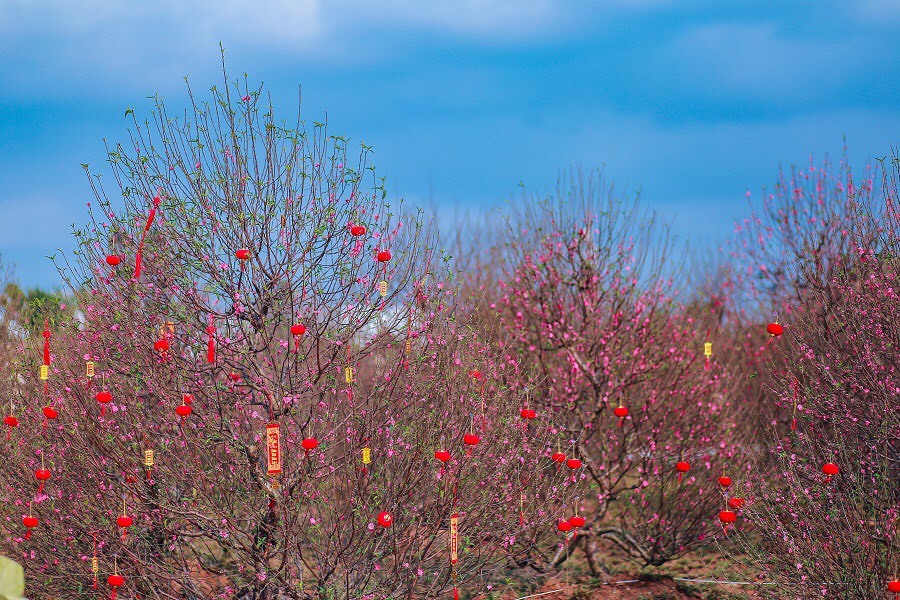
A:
137, 265
211, 345
41, 488
46, 351
793, 424
679, 477
28, 534
455, 593
113, 595
102, 410
621, 421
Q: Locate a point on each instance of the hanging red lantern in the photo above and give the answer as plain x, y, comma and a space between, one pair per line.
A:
113, 260
476, 374
727, 517
385, 519
774, 329
183, 411
242, 254
830, 470
11, 421
564, 526
383, 256
104, 398
30, 523
471, 439
442, 455
357, 230
573, 463
577, 521
894, 587
737, 503
725, 481
558, 457
50, 412
308, 444
124, 522
621, 412
161, 345
297, 330
42, 475
528, 414
116, 581
682, 467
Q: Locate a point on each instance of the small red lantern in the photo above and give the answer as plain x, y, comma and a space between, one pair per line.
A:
577, 521
383, 256
528, 414
297, 330
242, 254
830, 470
116, 581
725, 481
727, 517
774, 329
161, 345
442, 455
573, 463
42, 475
308, 444
124, 522
682, 466
104, 398
357, 230
11, 421
471, 439
385, 519
183, 411
30, 523
558, 457
621, 412
476, 374
737, 503
113, 260
564, 526
894, 587
50, 412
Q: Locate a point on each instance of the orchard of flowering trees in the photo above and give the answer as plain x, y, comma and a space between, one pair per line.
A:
269, 380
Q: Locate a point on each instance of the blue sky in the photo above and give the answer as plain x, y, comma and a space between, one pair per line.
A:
693, 103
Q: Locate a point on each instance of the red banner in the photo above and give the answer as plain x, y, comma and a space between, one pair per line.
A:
454, 538
273, 449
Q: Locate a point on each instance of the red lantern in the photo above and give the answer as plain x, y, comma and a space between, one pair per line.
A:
297, 330
187, 399
471, 439
50, 412
682, 467
242, 254
774, 329
476, 374
385, 519
116, 581
308, 444
736, 503
830, 470
161, 345
357, 230
113, 260
727, 517
577, 521
30, 523
564, 526
558, 457
573, 463
11, 421
183, 411
104, 398
42, 475
528, 414
724, 481
124, 522
894, 587
442, 455
621, 412
383, 256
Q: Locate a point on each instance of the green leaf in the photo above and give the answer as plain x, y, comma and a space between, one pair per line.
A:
12, 580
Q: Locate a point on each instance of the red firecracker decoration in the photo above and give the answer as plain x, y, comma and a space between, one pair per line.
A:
210, 344
47, 336
528, 414
682, 466
30, 522
357, 230
725, 481
621, 412
737, 503
385, 519
183, 411
830, 470
104, 398
297, 330
115, 581
42, 475
113, 260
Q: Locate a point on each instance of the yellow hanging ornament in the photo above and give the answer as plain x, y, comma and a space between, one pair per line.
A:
348, 375
89, 369
366, 455
382, 288
45, 372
